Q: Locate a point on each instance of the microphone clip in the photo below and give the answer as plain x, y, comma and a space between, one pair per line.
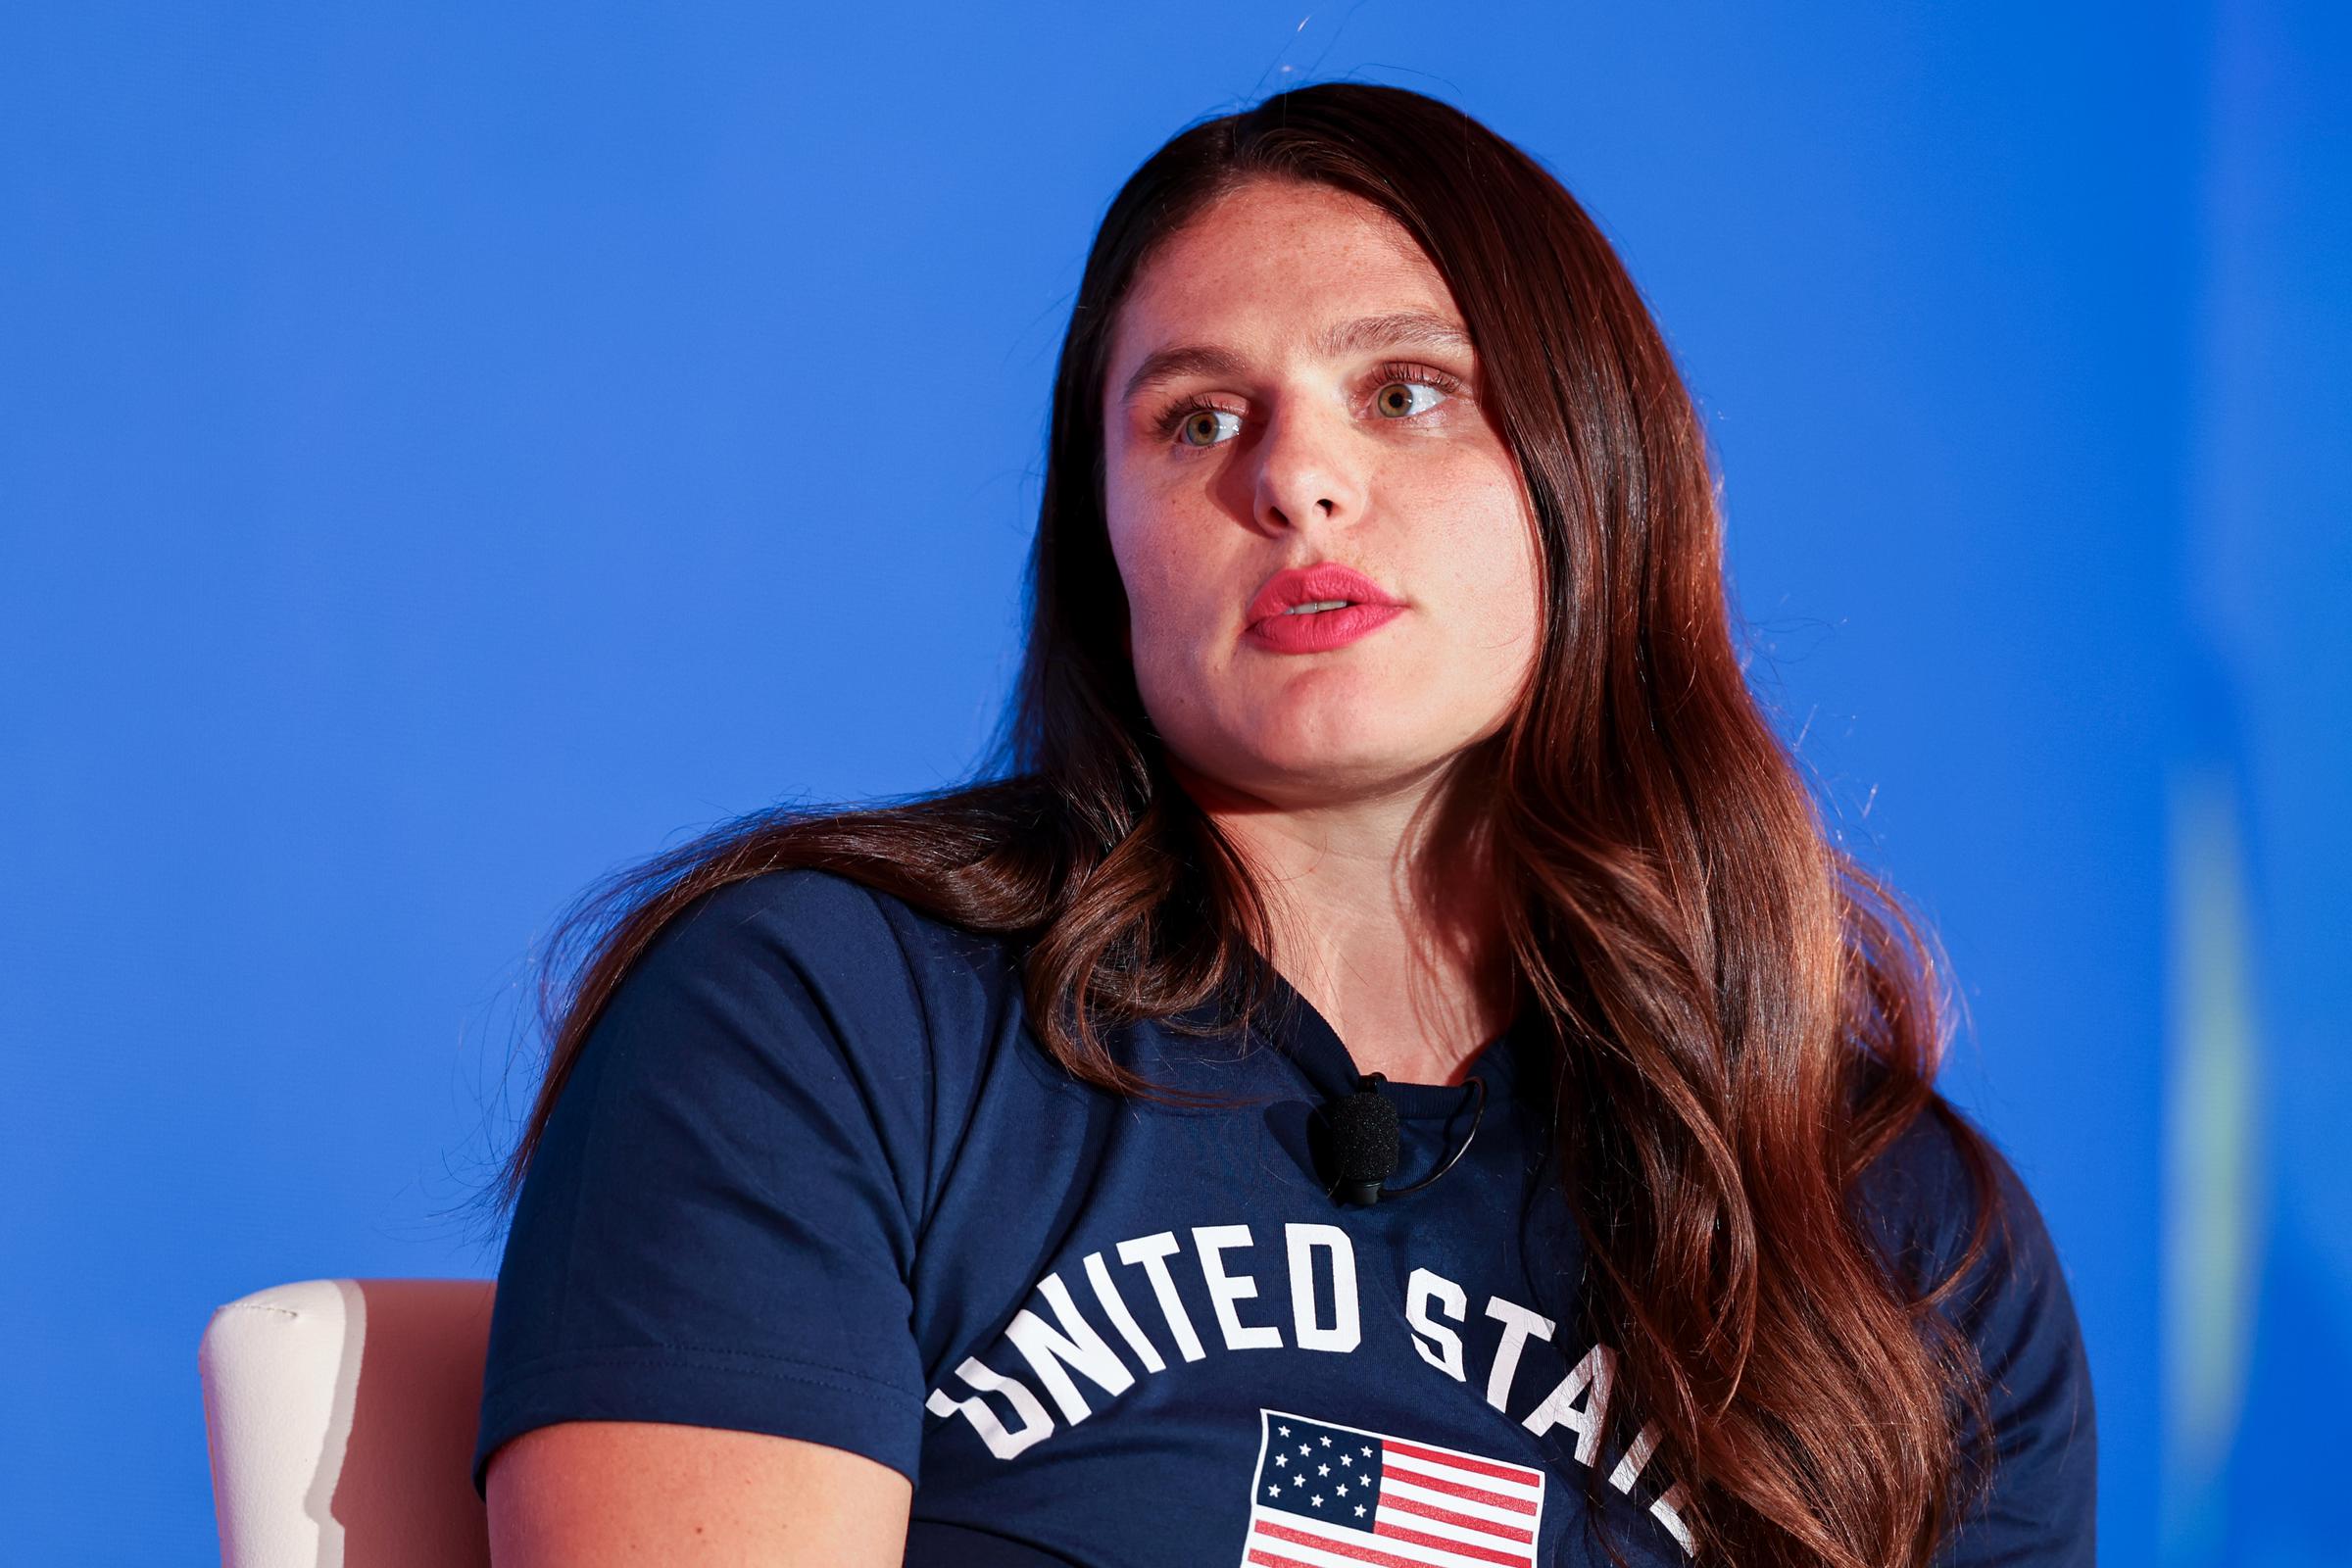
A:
1364, 1142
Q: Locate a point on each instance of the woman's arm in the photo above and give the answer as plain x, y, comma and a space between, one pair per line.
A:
609, 1494
707, 1279
2039, 1508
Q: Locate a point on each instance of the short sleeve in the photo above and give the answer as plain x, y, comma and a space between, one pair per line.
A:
717, 1227
2037, 1505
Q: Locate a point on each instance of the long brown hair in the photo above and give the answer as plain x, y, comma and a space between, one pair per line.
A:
1744, 1018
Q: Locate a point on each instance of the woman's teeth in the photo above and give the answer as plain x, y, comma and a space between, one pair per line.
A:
1320, 604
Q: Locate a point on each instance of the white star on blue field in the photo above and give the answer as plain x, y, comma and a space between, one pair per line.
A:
1319, 1472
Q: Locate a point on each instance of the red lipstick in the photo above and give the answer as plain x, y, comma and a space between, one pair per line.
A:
1311, 610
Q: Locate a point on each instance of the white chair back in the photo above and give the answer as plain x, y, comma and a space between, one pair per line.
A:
341, 1415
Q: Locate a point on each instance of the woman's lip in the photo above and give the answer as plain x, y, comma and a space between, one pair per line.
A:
1308, 585
1319, 631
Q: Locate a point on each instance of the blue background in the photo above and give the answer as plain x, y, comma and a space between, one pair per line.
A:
447, 453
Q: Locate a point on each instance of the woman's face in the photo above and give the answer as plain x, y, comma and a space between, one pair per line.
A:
1279, 426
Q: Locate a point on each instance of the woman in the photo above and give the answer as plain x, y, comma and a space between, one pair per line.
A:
997, 1176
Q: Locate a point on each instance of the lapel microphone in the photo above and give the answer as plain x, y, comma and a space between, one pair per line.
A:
1364, 1144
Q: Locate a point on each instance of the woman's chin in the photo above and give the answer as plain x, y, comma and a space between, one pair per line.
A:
1290, 774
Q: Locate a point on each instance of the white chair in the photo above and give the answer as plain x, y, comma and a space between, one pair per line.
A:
340, 1415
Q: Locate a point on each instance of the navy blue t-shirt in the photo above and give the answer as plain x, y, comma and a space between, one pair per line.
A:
814, 1176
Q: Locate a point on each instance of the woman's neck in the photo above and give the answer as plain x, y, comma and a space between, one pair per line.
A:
1386, 918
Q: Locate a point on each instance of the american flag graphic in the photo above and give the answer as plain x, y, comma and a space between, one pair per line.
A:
1331, 1496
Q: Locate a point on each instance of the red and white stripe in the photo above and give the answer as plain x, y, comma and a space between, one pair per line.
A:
1438, 1508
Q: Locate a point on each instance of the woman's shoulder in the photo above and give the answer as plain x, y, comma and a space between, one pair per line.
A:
1925, 1197
1928, 1190
803, 959
831, 930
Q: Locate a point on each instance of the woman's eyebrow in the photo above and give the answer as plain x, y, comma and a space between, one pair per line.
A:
1397, 328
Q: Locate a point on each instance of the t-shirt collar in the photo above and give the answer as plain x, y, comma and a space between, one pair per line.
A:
1293, 1026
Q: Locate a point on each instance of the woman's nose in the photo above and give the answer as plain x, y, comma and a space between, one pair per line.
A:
1306, 473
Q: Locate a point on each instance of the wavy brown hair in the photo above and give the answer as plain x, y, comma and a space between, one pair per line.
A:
1742, 1019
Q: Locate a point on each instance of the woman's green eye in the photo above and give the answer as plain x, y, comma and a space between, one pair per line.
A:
1203, 422
1386, 400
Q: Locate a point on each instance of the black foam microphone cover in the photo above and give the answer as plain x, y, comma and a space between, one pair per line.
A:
1364, 1147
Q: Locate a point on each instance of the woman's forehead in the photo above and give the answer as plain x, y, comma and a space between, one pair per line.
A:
1303, 272
1277, 243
